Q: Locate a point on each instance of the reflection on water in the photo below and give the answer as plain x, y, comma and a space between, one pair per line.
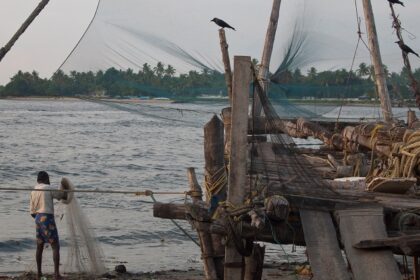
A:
124, 147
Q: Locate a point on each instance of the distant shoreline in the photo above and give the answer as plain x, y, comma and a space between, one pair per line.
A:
329, 102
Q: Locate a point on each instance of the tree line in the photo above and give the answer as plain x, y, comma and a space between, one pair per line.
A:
161, 81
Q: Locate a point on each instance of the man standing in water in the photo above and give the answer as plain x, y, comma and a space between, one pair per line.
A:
42, 209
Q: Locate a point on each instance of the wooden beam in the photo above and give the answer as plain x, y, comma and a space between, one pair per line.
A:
409, 244
169, 211
238, 156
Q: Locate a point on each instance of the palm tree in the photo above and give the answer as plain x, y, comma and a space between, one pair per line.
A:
363, 70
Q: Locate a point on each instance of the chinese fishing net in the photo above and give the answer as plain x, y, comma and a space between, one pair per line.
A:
84, 252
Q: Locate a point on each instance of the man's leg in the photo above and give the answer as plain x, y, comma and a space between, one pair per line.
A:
56, 257
39, 250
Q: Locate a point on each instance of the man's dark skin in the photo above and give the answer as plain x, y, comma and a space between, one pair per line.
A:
56, 259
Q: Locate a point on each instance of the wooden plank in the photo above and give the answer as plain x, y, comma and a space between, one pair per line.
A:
238, 155
366, 223
322, 246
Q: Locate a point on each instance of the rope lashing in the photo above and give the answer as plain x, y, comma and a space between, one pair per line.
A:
215, 182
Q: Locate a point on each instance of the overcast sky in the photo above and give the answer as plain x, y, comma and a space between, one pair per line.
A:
118, 36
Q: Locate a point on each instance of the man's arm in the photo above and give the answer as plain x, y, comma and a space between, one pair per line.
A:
59, 194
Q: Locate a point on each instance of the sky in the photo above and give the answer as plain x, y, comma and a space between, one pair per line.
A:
128, 33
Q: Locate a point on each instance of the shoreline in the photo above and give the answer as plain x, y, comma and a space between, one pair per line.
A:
271, 271
329, 102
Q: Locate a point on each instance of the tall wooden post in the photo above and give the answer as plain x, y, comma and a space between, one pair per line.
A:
380, 78
226, 62
267, 52
204, 236
21, 30
215, 180
238, 155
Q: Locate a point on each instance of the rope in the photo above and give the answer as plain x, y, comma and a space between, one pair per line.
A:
359, 33
137, 193
177, 225
215, 182
404, 158
81, 38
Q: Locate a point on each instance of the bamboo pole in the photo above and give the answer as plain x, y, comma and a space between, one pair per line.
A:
215, 176
21, 30
263, 71
238, 156
205, 238
380, 77
226, 62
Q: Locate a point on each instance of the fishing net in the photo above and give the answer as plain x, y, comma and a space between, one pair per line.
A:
84, 252
128, 34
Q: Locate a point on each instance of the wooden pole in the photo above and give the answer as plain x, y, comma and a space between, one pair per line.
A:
414, 84
254, 263
215, 180
227, 121
264, 70
238, 156
380, 77
21, 30
411, 118
226, 62
205, 237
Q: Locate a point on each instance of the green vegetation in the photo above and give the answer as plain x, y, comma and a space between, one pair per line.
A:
160, 81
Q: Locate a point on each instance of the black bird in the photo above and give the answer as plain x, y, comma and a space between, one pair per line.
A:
406, 48
222, 23
396, 2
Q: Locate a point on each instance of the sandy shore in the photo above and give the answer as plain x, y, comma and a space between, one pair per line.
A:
271, 271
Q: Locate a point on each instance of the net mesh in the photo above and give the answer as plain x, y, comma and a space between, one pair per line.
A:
84, 253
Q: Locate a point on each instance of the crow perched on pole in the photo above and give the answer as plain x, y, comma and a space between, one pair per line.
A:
406, 48
396, 2
222, 23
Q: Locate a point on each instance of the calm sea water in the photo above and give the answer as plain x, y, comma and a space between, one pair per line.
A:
108, 147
